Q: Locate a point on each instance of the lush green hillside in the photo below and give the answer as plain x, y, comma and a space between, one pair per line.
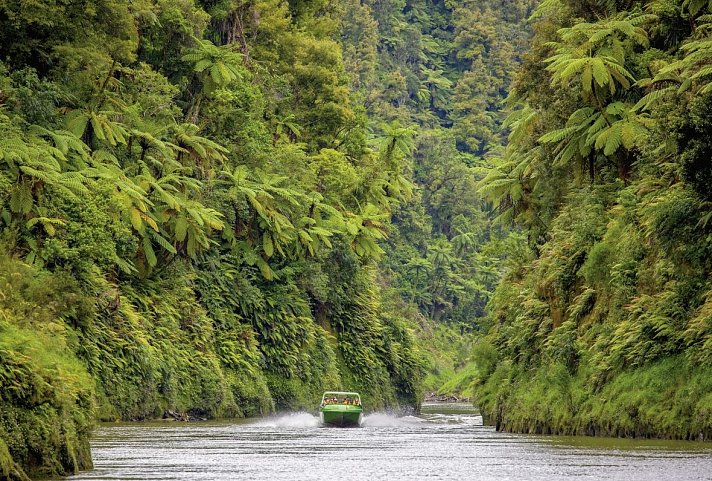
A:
606, 328
223, 207
442, 72
190, 211
433, 76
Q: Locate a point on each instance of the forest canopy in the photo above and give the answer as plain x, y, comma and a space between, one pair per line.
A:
223, 208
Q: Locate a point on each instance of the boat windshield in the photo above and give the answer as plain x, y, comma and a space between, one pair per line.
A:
343, 398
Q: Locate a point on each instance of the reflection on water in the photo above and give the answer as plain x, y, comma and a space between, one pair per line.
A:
445, 442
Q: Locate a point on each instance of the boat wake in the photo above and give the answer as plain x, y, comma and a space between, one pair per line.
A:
291, 420
385, 420
305, 420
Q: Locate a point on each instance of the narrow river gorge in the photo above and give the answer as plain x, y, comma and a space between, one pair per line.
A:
445, 442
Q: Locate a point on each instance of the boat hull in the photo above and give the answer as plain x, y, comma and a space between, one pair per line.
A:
341, 417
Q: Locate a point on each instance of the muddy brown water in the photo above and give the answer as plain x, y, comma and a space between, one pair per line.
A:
445, 442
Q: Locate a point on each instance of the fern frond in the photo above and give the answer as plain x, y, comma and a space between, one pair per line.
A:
163, 242
655, 97
558, 135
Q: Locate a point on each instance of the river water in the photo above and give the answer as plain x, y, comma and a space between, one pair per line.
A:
444, 442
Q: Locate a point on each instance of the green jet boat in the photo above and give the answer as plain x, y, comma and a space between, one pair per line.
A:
341, 409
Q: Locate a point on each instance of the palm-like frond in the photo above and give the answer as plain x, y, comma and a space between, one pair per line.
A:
218, 66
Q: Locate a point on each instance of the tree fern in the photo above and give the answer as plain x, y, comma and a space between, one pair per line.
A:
21, 200
48, 223
654, 97
547, 7
692, 72
508, 182
218, 66
610, 139
201, 149
695, 6
595, 54
558, 135
65, 141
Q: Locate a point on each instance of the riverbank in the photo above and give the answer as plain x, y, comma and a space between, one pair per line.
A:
69, 358
670, 399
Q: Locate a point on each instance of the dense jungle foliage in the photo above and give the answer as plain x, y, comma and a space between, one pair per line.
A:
222, 208
606, 329
191, 208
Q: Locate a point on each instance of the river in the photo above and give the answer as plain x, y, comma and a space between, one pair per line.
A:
444, 442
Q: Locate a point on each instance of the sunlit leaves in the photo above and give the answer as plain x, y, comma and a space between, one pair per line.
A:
589, 130
366, 229
595, 54
282, 220
216, 65
35, 164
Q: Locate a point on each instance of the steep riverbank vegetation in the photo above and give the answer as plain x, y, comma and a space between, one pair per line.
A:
191, 206
221, 208
606, 328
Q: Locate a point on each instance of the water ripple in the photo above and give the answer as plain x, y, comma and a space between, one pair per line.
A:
445, 442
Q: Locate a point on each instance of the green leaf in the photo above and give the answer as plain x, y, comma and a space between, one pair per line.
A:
614, 140
587, 78
558, 135
163, 242
125, 266
181, 228
265, 269
267, 244
136, 219
149, 253
600, 73
98, 129
21, 199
